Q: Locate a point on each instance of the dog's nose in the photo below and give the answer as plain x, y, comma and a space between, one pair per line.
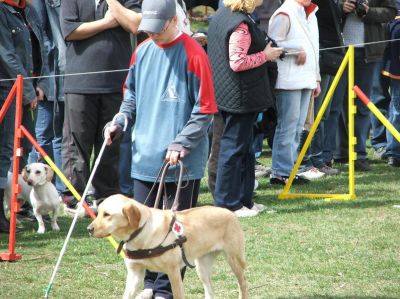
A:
90, 229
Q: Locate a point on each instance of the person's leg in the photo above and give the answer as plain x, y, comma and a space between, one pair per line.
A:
288, 108
58, 121
29, 122
79, 131
6, 153
316, 146
393, 147
332, 121
218, 128
44, 127
381, 99
234, 161
159, 282
106, 179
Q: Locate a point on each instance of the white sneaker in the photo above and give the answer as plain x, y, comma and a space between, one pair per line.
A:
312, 174
261, 171
245, 212
258, 207
145, 294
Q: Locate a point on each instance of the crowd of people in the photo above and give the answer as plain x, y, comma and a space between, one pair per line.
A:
184, 87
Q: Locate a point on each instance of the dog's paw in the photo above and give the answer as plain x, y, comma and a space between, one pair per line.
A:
40, 230
55, 227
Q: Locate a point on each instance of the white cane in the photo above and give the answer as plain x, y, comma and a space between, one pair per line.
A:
80, 205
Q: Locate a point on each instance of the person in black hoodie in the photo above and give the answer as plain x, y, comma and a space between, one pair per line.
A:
329, 23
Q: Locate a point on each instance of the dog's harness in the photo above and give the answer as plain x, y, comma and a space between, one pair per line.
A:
174, 226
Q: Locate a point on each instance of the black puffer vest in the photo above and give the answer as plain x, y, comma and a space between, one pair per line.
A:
237, 92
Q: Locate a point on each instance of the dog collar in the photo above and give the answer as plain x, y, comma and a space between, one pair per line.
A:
131, 237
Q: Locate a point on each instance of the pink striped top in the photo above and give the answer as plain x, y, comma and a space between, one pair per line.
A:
239, 44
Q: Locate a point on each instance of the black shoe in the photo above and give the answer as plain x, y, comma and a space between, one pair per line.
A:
362, 165
26, 214
283, 180
392, 161
341, 161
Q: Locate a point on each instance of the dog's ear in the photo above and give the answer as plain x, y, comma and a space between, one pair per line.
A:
49, 173
132, 213
24, 173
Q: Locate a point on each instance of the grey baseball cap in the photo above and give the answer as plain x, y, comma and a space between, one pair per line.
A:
155, 14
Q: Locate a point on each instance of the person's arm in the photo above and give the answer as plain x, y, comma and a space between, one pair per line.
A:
201, 91
11, 63
74, 29
383, 13
239, 44
127, 18
278, 30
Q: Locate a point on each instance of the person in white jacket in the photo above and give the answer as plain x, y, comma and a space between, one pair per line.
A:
294, 27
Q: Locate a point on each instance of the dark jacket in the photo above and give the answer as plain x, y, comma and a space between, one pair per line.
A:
49, 12
392, 54
380, 12
237, 92
16, 50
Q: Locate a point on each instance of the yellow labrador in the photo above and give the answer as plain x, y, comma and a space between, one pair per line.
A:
159, 240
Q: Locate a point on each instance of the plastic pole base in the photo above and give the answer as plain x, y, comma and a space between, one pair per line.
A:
11, 257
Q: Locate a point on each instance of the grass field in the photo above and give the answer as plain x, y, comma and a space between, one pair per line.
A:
306, 249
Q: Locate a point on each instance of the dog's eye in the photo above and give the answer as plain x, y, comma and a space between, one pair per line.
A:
106, 215
37, 172
28, 171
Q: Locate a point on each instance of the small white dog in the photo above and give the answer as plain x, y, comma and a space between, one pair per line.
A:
43, 196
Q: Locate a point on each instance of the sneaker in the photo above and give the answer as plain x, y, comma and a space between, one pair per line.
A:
261, 171
245, 212
311, 174
258, 207
392, 161
283, 180
329, 170
362, 165
380, 153
145, 294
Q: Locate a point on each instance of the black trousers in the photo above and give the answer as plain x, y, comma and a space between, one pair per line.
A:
85, 116
158, 281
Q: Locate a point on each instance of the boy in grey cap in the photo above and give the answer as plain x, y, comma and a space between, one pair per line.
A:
169, 96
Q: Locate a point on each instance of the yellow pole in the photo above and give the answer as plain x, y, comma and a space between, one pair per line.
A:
352, 111
285, 192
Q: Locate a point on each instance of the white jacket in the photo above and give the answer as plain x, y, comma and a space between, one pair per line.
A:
302, 34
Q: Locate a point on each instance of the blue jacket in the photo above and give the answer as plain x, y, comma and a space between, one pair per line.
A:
16, 50
49, 12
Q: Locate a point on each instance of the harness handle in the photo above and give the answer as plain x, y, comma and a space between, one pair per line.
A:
161, 184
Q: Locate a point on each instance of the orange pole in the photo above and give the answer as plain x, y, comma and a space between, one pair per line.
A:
11, 255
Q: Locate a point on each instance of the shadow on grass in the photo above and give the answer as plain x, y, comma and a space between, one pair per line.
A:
28, 236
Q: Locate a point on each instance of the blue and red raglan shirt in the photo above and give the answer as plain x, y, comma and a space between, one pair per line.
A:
170, 96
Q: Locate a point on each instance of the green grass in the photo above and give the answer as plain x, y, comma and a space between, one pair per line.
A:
308, 248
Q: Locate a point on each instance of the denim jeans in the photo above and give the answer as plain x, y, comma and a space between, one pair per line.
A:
49, 125
337, 122
381, 98
236, 161
317, 143
292, 106
393, 146
6, 138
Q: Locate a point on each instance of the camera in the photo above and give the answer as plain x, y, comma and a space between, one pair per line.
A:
274, 45
360, 9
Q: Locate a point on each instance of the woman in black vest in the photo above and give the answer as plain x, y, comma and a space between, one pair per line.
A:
238, 54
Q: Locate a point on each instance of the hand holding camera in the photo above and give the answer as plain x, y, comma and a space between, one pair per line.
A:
360, 7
